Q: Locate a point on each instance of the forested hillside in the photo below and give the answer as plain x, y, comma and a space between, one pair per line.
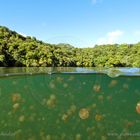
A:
17, 50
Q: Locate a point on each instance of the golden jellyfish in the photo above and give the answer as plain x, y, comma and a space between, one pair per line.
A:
84, 113
21, 118
52, 85
113, 83
125, 86
65, 85
98, 117
48, 137
16, 106
73, 108
97, 88
16, 97
138, 108
94, 105
52, 97
64, 117
51, 103
101, 97
78, 137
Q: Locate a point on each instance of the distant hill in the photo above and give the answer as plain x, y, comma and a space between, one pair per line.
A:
18, 50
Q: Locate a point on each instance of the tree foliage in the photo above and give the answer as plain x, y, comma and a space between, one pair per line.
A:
17, 50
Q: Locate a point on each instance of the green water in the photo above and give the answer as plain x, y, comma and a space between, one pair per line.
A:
68, 106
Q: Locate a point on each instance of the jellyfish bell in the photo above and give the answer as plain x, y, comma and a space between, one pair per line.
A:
138, 108
84, 113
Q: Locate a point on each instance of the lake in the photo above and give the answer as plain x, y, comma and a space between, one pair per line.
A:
69, 104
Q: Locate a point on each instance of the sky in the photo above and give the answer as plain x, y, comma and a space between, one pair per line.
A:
81, 23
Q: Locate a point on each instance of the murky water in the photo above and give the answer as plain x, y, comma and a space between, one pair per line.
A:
69, 104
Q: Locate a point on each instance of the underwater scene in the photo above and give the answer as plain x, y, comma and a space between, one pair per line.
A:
69, 104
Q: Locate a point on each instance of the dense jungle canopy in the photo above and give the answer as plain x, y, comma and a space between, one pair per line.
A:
18, 50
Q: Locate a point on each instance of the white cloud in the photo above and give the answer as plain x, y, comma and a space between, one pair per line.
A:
137, 33
110, 38
22, 34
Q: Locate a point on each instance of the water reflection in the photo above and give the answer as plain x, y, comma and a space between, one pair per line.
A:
112, 72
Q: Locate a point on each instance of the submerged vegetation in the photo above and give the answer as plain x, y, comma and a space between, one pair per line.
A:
18, 50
